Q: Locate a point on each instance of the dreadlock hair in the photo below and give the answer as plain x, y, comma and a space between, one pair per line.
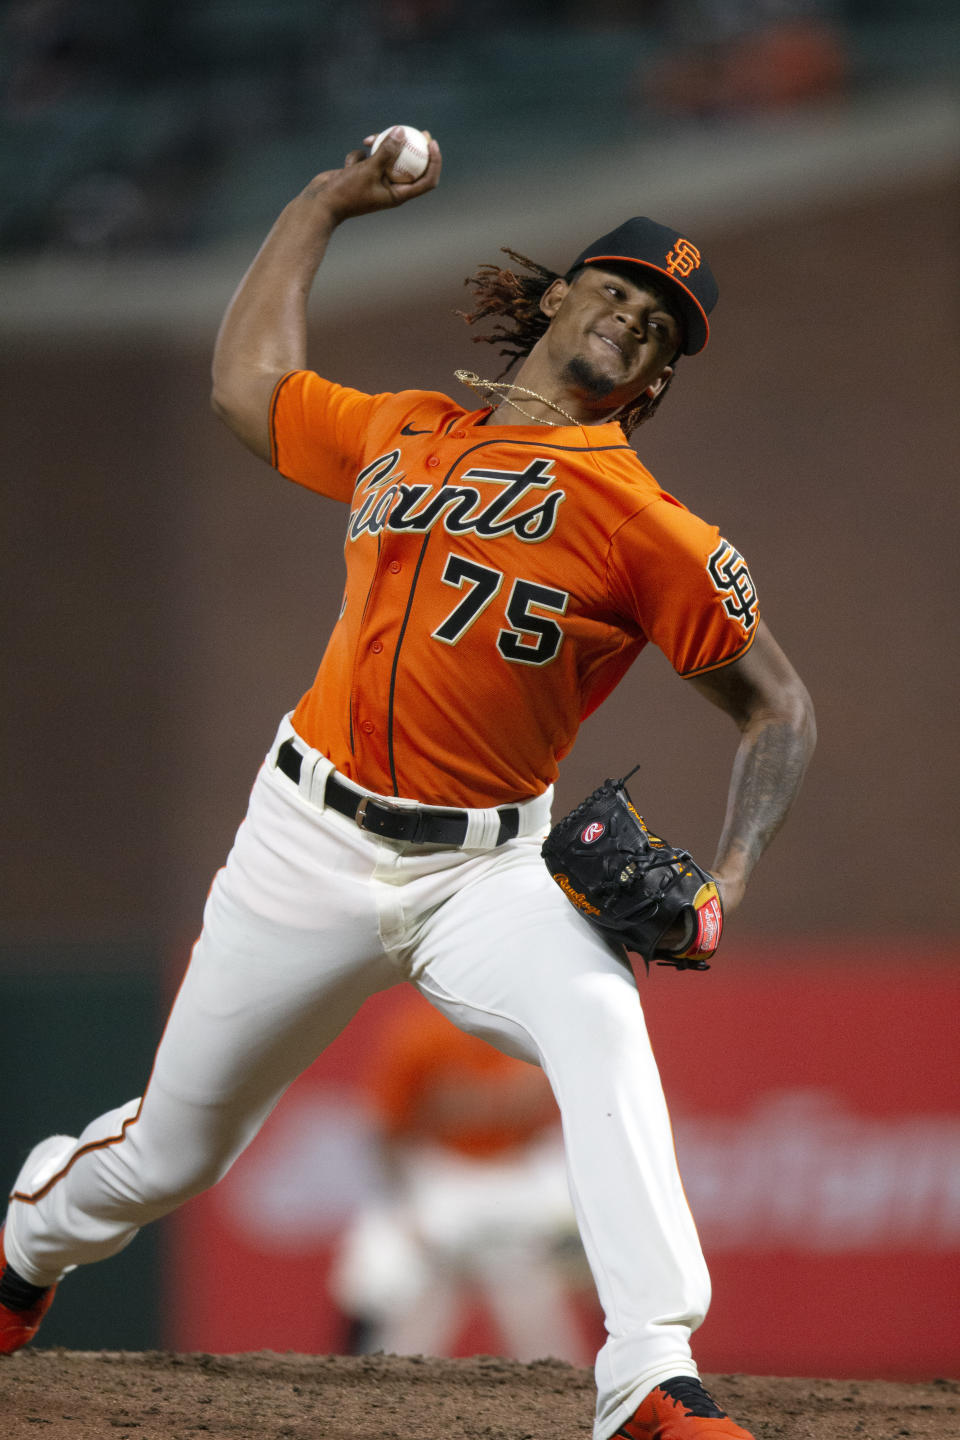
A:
515, 300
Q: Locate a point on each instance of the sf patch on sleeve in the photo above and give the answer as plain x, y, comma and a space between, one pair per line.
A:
734, 584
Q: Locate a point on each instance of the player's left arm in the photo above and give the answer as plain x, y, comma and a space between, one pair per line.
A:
770, 704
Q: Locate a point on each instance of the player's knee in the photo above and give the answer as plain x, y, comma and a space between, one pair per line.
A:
609, 1017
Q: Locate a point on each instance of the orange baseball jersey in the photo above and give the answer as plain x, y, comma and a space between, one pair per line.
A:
431, 1082
500, 581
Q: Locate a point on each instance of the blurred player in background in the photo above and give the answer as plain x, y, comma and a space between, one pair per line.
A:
475, 1203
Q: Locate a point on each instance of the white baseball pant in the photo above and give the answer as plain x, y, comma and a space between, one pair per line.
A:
311, 915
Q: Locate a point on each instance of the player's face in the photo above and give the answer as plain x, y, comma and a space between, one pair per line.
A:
611, 336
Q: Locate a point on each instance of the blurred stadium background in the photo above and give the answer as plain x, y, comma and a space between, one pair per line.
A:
166, 600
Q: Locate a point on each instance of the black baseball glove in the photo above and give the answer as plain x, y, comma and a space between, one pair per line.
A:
633, 886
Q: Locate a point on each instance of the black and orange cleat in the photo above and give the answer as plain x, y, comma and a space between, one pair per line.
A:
22, 1306
680, 1409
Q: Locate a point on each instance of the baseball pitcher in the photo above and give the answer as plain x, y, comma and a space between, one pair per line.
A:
507, 560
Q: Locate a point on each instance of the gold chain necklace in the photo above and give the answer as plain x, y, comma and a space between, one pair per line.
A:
467, 377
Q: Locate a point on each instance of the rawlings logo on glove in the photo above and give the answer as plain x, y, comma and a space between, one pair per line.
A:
633, 886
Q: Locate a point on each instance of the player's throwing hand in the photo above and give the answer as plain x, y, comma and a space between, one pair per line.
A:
364, 185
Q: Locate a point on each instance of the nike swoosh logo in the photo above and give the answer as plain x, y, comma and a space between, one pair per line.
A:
406, 430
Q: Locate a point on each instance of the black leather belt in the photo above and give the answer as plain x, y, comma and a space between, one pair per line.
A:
395, 822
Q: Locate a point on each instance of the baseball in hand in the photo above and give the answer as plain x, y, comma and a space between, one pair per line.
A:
412, 160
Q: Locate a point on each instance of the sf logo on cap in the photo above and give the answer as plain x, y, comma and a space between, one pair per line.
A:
683, 259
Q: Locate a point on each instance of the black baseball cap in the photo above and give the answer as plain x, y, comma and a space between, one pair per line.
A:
673, 256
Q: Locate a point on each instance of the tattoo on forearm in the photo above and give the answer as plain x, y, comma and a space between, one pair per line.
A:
767, 772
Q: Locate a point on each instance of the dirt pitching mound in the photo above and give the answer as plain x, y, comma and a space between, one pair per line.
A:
72, 1395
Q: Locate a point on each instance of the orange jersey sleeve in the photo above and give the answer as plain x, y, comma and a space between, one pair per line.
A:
317, 430
320, 431
689, 589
